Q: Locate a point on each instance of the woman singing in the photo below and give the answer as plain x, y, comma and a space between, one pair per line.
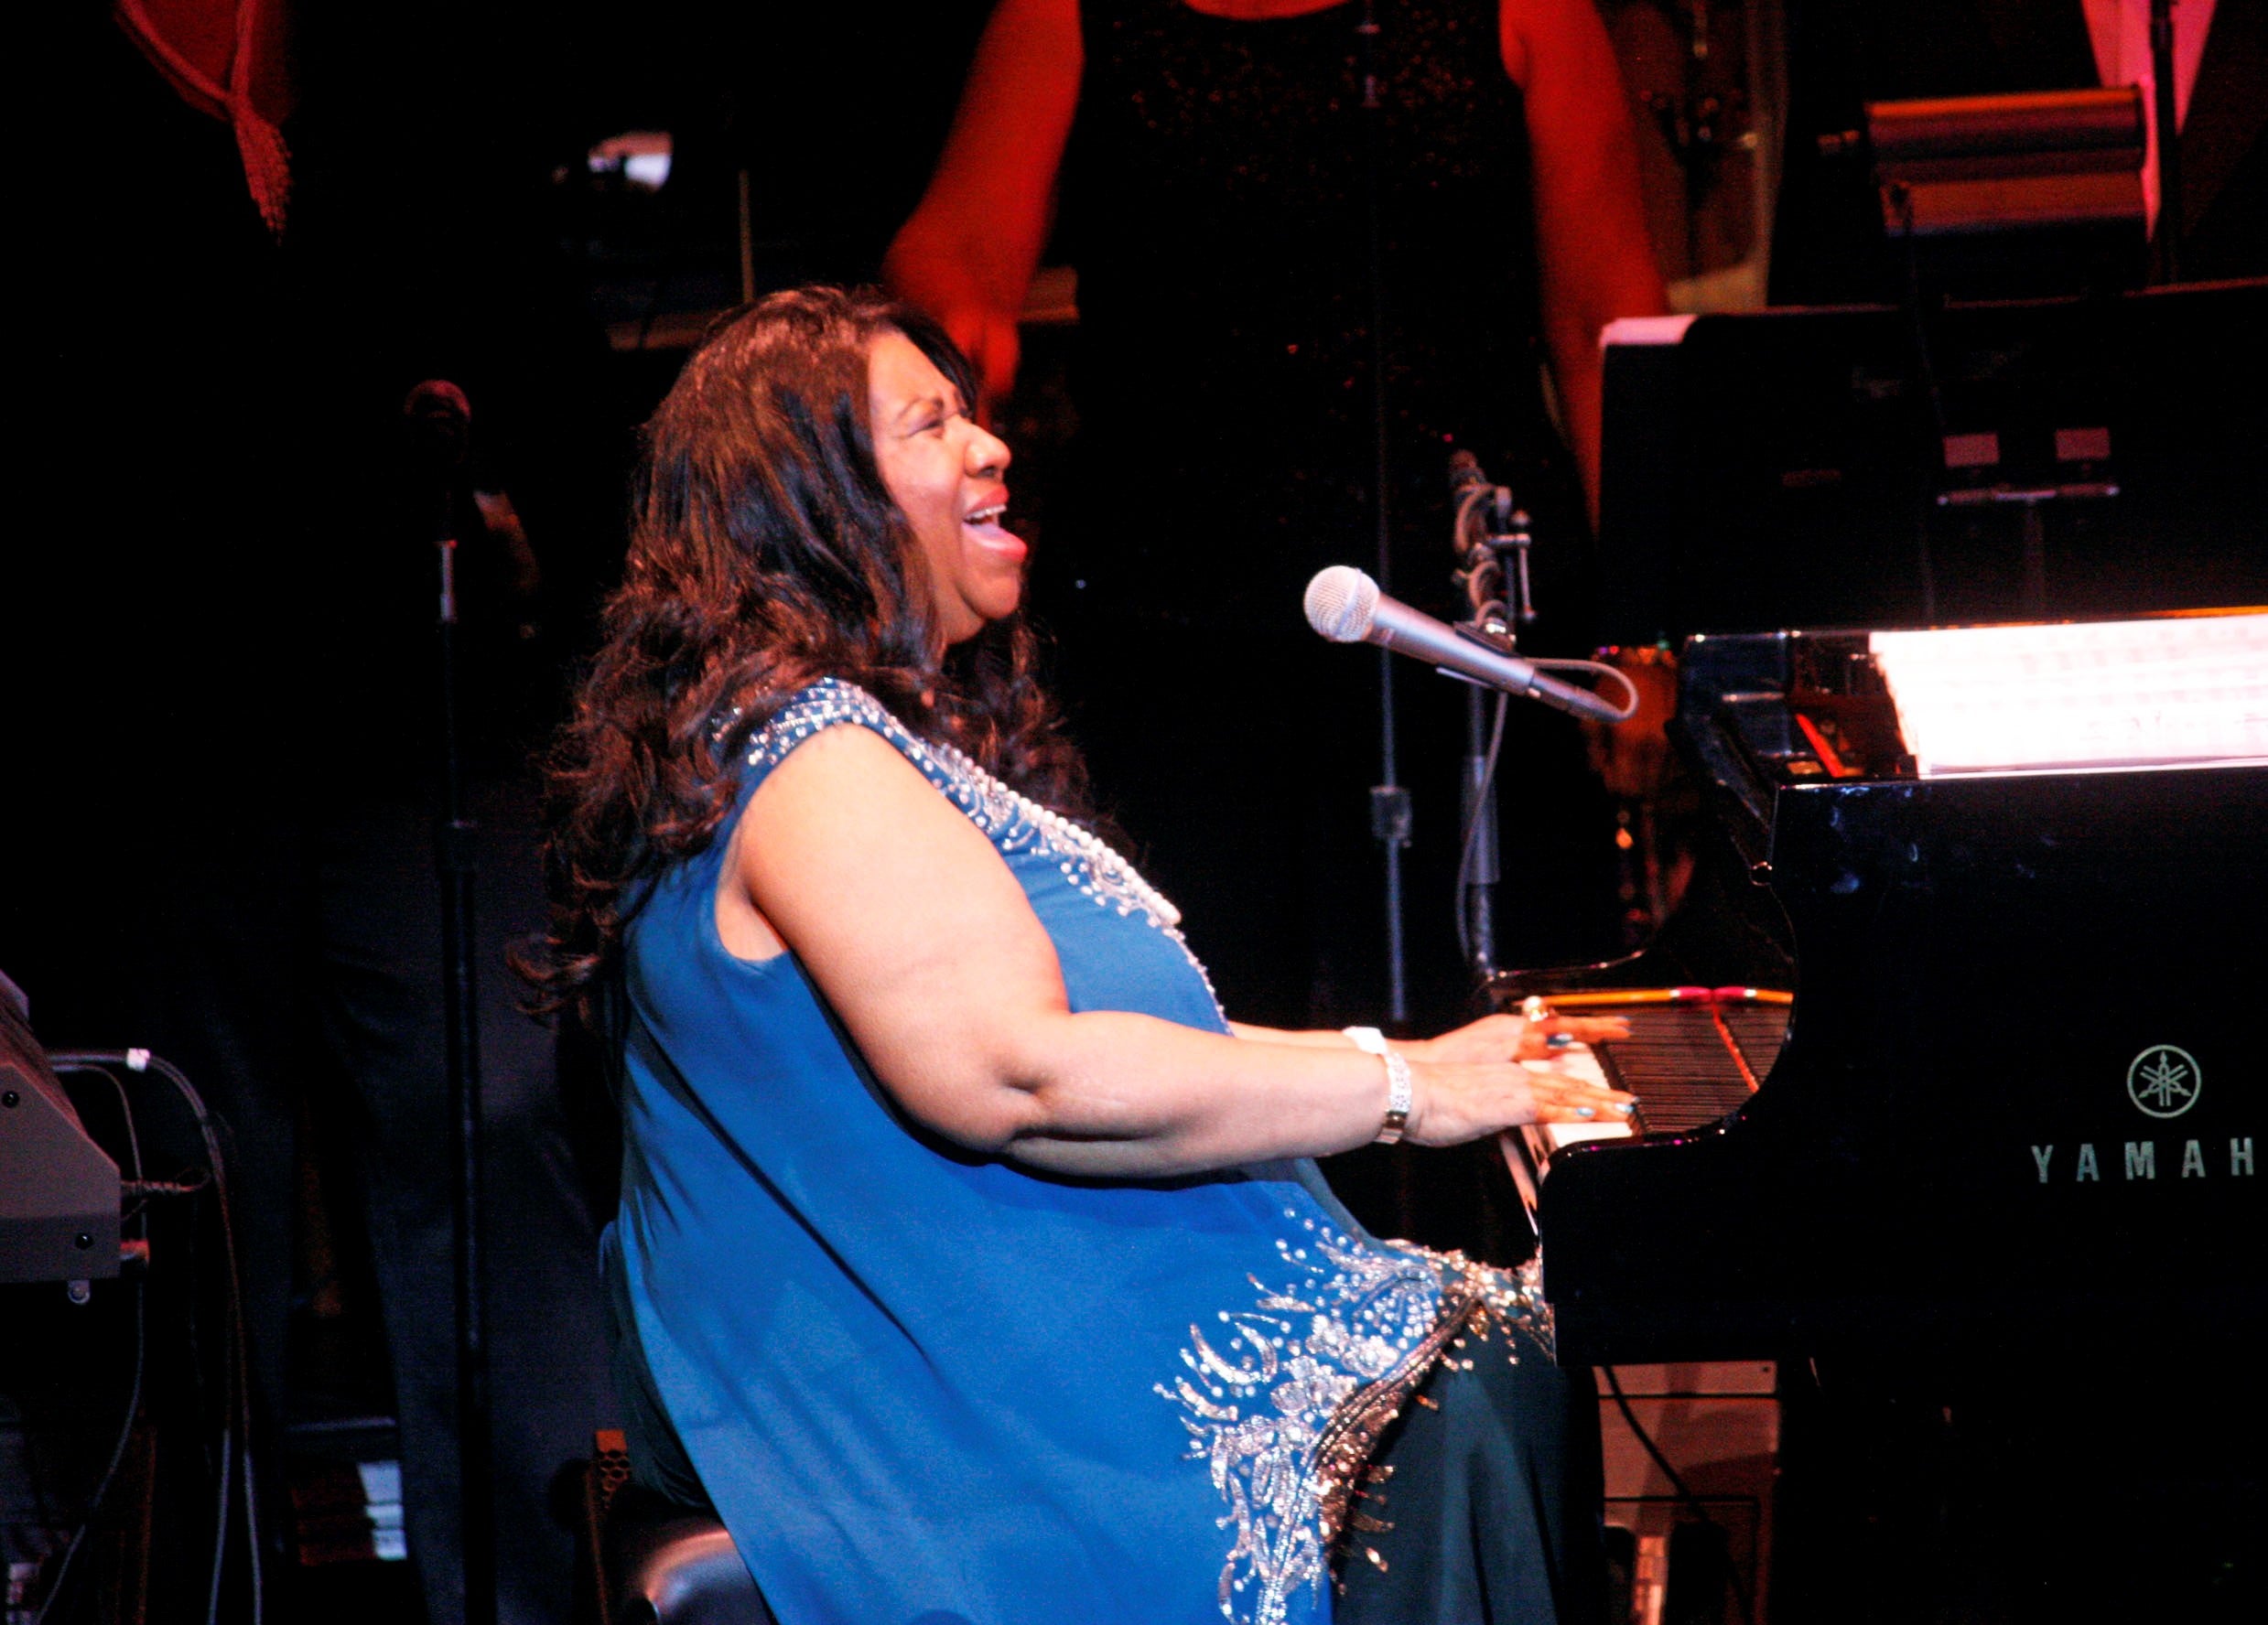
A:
969, 1261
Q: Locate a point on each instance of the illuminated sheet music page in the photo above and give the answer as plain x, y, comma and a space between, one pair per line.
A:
2128, 693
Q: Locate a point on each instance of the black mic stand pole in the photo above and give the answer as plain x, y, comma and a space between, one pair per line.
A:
2166, 115
1495, 565
453, 847
1482, 874
1389, 799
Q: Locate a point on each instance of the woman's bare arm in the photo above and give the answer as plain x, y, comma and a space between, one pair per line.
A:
967, 253
1595, 259
924, 945
1492, 1038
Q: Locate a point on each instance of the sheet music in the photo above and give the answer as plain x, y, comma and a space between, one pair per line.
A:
2184, 690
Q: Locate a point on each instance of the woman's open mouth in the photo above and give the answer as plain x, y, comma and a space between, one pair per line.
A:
988, 532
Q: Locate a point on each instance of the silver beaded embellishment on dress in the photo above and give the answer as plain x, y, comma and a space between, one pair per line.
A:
1286, 1400
1259, 1393
1014, 822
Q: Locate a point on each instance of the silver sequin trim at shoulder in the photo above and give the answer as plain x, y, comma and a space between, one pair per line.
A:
1015, 824
1285, 1402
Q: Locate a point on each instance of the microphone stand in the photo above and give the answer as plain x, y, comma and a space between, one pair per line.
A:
1482, 875
2166, 115
1494, 563
1390, 810
453, 847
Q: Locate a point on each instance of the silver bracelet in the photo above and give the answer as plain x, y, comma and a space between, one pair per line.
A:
1399, 1094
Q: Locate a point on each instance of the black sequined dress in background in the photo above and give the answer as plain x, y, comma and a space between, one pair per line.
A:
1214, 203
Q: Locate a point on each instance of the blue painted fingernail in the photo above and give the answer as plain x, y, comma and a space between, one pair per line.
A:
1559, 1042
1626, 1107
1584, 1112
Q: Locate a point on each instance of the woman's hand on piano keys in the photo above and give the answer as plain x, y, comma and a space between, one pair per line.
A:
1471, 1082
1515, 1037
1453, 1102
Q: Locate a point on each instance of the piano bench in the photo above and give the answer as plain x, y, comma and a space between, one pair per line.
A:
645, 1560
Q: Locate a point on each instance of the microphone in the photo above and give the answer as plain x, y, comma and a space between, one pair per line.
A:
1465, 473
439, 425
437, 421
1346, 607
1469, 488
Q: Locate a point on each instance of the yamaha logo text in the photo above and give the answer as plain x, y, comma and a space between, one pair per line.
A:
2163, 1082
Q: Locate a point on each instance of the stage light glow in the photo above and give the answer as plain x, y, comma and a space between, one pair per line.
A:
639, 156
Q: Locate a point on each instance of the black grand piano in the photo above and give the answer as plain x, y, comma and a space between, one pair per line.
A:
1953, 1086
2020, 1093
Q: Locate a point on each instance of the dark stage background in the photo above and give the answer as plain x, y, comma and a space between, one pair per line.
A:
219, 690
216, 767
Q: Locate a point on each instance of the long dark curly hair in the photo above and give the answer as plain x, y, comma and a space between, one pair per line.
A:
765, 553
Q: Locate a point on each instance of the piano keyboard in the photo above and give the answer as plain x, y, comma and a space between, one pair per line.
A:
1693, 1055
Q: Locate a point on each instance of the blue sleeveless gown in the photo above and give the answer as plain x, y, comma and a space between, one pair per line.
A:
922, 1385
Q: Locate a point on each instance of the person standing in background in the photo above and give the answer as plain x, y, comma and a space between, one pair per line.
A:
1216, 164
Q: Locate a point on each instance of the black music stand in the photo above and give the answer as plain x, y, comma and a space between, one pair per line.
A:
1855, 466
